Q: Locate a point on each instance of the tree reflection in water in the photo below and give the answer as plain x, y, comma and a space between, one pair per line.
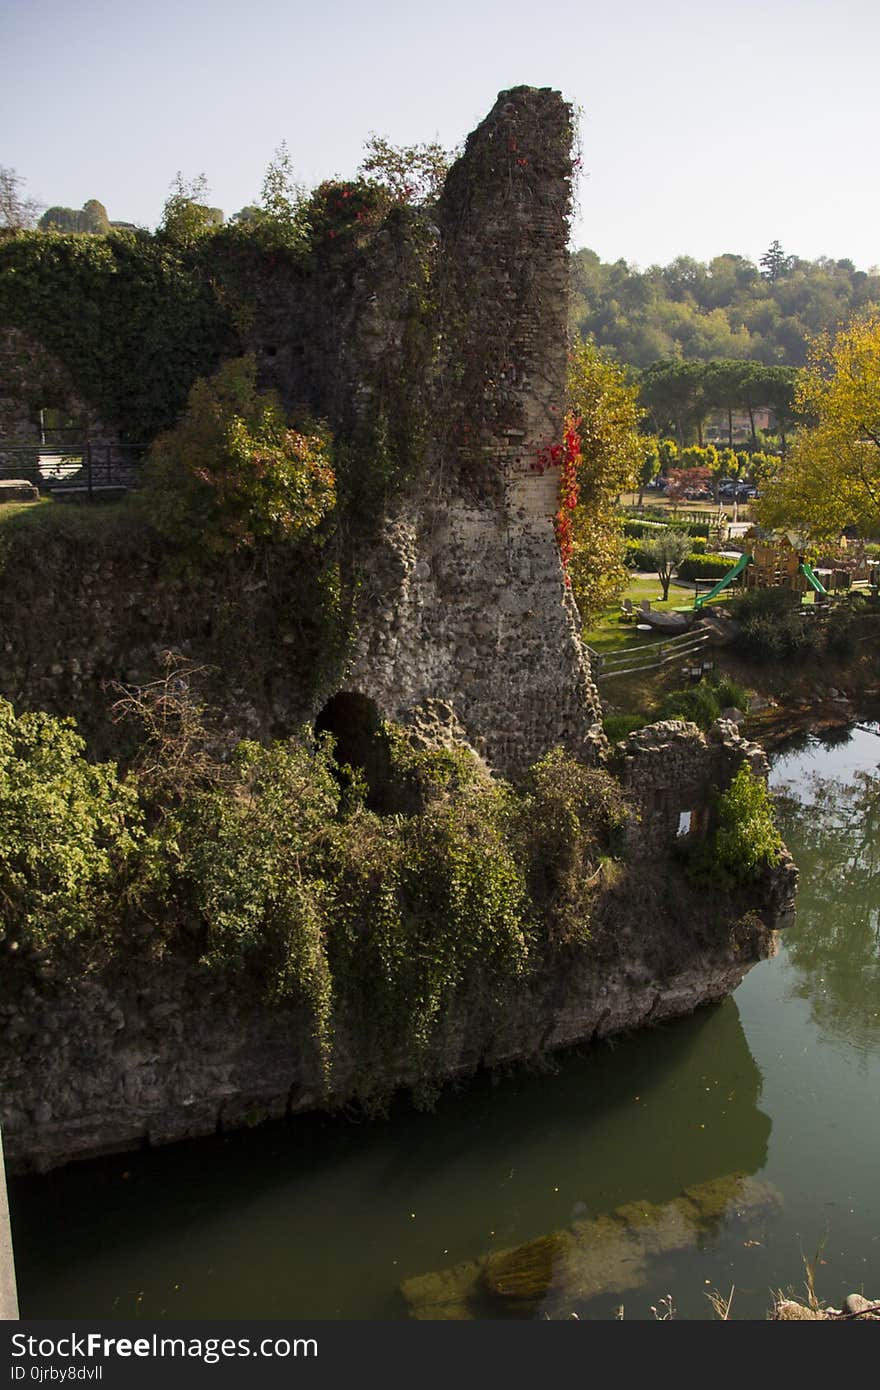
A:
832, 828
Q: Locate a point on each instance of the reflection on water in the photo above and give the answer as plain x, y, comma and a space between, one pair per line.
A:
832, 825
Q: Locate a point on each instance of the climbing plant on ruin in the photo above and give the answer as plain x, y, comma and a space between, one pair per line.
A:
609, 455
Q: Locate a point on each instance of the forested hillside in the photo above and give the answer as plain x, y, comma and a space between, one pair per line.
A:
728, 307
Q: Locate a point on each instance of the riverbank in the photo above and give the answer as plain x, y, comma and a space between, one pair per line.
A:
157, 1054
322, 1216
797, 694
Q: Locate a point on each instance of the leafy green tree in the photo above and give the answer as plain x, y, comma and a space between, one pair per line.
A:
830, 478
186, 216
611, 451
774, 262
411, 173
18, 212
779, 389
667, 550
283, 199
726, 308
673, 394
92, 217
650, 464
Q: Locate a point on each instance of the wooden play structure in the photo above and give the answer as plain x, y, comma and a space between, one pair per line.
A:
773, 562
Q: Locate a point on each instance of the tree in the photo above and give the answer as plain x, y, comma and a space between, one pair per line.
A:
411, 173
692, 477
780, 384
17, 211
186, 216
667, 550
281, 196
649, 466
830, 478
673, 392
774, 261
611, 451
91, 217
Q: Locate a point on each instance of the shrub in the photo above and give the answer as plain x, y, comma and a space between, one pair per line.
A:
232, 474
697, 703
730, 694
846, 623
71, 830
636, 556
702, 703
661, 517
697, 566
747, 838
637, 530
617, 726
567, 818
773, 626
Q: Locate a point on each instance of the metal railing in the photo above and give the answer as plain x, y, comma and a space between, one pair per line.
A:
84, 468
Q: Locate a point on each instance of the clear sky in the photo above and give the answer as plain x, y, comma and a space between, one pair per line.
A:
707, 126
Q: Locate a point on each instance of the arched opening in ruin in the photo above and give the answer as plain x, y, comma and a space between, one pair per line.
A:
359, 743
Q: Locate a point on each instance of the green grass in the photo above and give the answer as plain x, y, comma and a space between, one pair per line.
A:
10, 510
609, 633
98, 527
76, 521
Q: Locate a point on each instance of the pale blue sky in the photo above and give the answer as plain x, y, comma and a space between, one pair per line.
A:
707, 126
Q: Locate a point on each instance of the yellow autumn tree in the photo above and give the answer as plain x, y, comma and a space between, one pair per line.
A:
611, 454
831, 476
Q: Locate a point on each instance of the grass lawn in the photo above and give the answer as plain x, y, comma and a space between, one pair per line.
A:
95, 526
608, 634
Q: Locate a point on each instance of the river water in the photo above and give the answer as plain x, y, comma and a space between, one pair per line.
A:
326, 1218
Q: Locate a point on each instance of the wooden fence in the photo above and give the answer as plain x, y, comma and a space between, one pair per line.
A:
647, 655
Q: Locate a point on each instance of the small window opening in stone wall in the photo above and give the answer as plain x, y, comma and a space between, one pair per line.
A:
684, 822
59, 429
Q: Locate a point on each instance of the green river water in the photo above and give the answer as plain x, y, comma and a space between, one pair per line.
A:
325, 1218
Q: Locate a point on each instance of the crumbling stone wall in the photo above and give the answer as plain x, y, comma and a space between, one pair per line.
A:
450, 335
465, 596
32, 379
464, 607
164, 1051
670, 770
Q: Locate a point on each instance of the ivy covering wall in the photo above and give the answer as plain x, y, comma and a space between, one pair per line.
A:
132, 318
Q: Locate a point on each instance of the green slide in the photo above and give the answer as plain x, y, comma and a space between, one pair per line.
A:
813, 579
723, 583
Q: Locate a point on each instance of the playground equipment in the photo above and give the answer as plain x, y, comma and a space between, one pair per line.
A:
728, 578
768, 563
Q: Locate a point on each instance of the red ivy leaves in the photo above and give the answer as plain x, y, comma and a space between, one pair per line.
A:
566, 456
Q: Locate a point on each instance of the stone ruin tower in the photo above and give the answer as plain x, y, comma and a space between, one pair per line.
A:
467, 627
